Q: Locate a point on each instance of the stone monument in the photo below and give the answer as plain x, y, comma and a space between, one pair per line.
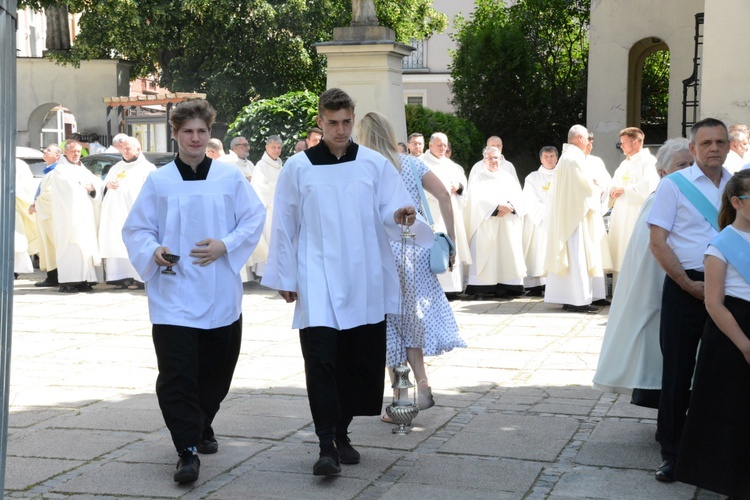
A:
364, 60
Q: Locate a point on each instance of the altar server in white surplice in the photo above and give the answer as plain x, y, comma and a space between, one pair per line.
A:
205, 212
536, 188
574, 260
630, 358
336, 206
76, 200
494, 225
121, 187
265, 177
633, 181
454, 179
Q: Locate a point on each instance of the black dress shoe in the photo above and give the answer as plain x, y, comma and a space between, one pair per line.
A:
535, 291
582, 309
45, 283
68, 289
328, 463
347, 454
208, 446
665, 472
602, 302
188, 468
451, 296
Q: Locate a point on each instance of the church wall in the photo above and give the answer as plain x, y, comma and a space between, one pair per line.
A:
615, 27
725, 90
81, 90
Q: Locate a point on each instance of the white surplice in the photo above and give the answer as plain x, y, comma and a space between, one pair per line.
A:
116, 205
535, 194
74, 218
638, 176
177, 214
496, 242
265, 177
575, 259
45, 228
330, 239
630, 356
450, 172
734, 162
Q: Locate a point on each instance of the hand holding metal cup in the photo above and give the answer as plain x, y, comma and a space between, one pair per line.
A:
173, 259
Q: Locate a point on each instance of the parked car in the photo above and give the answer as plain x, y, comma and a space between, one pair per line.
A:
99, 164
33, 158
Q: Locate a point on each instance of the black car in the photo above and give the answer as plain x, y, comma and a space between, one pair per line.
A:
99, 164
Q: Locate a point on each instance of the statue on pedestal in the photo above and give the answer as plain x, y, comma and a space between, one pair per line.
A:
363, 13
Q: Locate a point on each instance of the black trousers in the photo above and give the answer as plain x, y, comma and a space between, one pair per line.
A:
683, 318
345, 372
195, 372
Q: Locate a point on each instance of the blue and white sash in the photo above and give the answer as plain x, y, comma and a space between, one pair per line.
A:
698, 199
735, 249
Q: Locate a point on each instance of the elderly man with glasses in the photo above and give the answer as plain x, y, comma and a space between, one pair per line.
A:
239, 149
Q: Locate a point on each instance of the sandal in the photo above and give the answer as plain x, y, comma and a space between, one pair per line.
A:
124, 284
385, 418
136, 285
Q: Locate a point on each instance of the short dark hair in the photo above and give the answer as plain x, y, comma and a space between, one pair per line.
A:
94, 137
549, 149
314, 130
707, 122
413, 135
633, 133
334, 100
198, 108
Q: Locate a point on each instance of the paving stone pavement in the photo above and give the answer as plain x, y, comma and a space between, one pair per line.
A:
515, 418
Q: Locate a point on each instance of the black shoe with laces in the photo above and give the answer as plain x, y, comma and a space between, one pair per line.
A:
328, 463
208, 446
347, 454
188, 467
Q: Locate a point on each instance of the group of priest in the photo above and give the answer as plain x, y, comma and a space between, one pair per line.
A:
513, 239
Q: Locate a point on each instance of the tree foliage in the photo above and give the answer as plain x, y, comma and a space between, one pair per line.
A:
236, 51
520, 72
290, 116
466, 141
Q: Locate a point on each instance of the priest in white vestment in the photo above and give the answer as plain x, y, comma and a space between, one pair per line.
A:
738, 146
42, 207
504, 166
239, 149
26, 241
336, 206
76, 198
494, 225
536, 188
630, 360
574, 246
121, 188
205, 212
454, 179
265, 177
632, 182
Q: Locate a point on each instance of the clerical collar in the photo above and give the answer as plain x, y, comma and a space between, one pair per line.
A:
321, 155
186, 171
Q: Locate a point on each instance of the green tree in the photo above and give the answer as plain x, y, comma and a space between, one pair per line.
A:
520, 72
466, 141
655, 96
236, 51
290, 116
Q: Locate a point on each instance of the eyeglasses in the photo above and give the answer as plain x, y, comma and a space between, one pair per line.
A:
243, 144
744, 197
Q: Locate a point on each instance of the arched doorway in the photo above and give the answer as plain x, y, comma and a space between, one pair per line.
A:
648, 88
50, 123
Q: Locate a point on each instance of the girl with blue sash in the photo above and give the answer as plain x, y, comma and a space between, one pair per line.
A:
715, 449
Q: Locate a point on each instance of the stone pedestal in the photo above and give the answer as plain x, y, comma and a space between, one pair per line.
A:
365, 62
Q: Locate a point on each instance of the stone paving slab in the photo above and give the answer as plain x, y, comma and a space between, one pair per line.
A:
515, 416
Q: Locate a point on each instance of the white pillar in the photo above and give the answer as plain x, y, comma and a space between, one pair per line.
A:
365, 62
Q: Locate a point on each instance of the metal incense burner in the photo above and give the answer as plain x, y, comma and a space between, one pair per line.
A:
403, 409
